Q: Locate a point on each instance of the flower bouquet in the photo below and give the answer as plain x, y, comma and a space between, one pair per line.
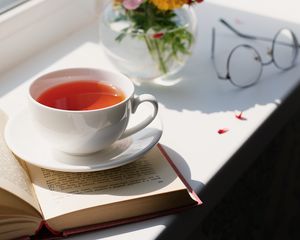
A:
163, 27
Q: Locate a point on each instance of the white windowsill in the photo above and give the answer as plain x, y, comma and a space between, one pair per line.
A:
37, 24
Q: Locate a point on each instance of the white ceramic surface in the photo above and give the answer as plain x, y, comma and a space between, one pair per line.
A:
26, 143
88, 131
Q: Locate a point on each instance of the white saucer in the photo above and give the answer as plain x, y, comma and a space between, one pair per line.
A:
25, 142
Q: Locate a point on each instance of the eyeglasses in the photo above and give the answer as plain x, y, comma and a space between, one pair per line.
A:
245, 58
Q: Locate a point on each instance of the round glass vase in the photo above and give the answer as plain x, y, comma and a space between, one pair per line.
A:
147, 56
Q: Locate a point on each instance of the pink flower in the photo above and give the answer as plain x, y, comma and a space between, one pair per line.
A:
132, 4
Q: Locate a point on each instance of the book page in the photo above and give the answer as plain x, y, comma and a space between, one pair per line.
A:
13, 176
60, 193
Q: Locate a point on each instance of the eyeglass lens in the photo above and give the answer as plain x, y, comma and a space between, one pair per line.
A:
244, 66
285, 49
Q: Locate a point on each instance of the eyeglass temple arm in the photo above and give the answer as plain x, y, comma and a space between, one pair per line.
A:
251, 36
242, 34
219, 75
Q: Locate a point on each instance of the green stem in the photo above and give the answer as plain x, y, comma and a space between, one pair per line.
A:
152, 44
162, 66
148, 43
154, 50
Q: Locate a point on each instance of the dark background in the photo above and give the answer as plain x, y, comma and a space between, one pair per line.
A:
265, 201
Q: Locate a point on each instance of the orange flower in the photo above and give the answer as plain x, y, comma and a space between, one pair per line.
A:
169, 4
117, 2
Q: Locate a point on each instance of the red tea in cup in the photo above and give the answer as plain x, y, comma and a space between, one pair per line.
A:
81, 95
109, 98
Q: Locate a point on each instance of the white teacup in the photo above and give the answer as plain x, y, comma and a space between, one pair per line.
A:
86, 131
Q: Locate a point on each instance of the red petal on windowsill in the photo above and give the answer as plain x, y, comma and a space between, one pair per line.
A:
223, 130
240, 116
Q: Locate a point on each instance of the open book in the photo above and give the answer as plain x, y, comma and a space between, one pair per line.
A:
60, 203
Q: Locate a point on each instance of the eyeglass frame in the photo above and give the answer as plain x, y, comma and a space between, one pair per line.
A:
271, 52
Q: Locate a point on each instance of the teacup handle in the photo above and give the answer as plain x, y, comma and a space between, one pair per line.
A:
136, 101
